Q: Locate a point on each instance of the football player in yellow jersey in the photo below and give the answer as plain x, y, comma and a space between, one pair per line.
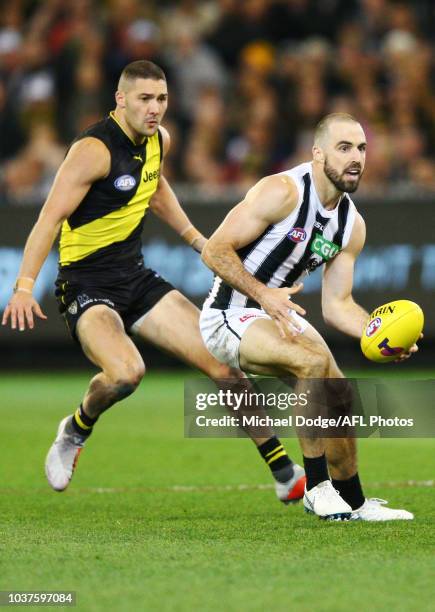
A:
109, 178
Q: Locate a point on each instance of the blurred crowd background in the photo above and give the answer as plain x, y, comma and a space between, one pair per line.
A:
248, 81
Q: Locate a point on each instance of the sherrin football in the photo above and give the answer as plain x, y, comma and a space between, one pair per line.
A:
391, 330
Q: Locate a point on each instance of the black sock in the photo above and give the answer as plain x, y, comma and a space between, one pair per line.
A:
277, 459
82, 423
351, 491
316, 470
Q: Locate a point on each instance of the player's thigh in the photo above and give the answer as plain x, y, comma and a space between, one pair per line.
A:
173, 325
263, 351
312, 334
102, 336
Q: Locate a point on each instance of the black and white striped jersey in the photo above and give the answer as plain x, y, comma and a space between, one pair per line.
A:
286, 251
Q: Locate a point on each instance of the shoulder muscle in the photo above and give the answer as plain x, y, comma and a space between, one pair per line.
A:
273, 198
270, 201
89, 159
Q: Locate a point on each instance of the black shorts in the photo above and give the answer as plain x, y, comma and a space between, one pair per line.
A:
132, 294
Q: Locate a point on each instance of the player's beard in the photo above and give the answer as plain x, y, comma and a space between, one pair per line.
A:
338, 180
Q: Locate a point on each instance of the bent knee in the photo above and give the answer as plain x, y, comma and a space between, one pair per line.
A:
132, 373
127, 379
218, 371
316, 363
334, 370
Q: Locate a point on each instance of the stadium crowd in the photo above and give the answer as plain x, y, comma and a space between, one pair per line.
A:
248, 81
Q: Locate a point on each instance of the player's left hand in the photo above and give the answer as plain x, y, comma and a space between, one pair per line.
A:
407, 354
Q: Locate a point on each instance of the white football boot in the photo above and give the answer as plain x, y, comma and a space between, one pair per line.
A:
63, 456
292, 490
373, 510
324, 501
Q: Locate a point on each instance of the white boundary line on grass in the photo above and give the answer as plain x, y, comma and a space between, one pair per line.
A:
200, 488
239, 487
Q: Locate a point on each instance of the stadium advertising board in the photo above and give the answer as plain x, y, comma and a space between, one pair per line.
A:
398, 262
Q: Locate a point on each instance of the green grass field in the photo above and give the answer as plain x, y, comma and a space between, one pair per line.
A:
155, 521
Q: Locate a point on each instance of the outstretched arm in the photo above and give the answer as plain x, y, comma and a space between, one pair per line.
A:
166, 206
87, 161
268, 202
338, 306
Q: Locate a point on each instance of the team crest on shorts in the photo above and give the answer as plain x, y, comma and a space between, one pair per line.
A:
72, 308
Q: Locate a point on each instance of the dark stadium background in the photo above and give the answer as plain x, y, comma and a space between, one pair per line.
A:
248, 82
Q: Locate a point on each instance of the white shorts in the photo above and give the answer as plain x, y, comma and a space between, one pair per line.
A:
222, 330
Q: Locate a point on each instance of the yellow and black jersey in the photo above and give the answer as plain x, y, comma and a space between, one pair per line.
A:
105, 229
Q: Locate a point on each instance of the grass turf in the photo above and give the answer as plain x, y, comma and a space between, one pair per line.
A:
123, 538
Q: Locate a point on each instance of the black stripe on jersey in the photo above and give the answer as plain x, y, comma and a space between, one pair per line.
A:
298, 268
343, 212
244, 252
284, 248
159, 134
223, 296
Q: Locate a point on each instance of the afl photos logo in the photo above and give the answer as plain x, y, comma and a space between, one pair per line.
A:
297, 234
124, 182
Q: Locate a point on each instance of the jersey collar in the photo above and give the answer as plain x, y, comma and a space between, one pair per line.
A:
124, 136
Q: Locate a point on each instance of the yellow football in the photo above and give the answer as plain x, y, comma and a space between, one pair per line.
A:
391, 330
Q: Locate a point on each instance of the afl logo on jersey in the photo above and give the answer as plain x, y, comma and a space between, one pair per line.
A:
125, 182
297, 234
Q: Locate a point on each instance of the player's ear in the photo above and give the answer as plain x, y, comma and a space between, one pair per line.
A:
318, 155
120, 98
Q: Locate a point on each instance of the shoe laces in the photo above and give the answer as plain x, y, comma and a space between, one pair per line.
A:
327, 489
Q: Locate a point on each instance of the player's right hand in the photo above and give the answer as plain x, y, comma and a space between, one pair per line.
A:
20, 309
276, 302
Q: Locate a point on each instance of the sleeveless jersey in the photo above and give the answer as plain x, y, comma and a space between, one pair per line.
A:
286, 251
106, 228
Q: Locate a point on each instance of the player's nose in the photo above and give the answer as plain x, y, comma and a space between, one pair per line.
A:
356, 160
153, 107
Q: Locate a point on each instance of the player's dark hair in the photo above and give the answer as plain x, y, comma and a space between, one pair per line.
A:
143, 69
